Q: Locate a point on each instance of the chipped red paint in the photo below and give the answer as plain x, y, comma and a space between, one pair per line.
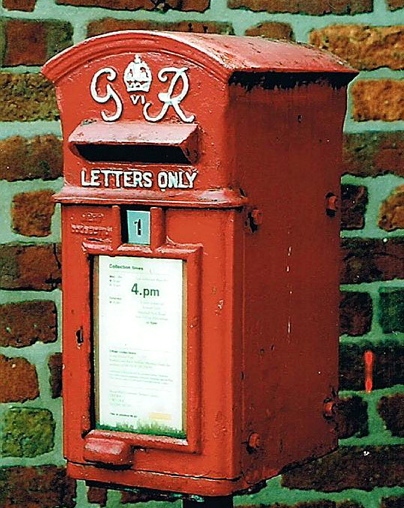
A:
369, 359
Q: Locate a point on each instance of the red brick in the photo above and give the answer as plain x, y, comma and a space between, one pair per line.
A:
388, 369
26, 97
315, 7
391, 409
36, 487
272, 30
24, 323
351, 367
381, 99
32, 213
355, 313
19, 5
389, 365
374, 153
350, 468
392, 502
391, 214
29, 42
351, 418
322, 503
28, 159
25, 42
353, 208
390, 154
55, 364
148, 5
106, 25
24, 266
97, 495
393, 5
18, 380
362, 46
372, 260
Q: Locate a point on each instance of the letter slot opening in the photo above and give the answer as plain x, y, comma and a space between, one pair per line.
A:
135, 142
147, 154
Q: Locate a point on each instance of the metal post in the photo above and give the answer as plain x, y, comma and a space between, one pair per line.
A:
210, 502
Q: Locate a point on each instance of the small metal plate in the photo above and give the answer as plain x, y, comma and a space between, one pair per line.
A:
138, 227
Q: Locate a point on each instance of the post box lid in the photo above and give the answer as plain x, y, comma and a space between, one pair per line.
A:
220, 54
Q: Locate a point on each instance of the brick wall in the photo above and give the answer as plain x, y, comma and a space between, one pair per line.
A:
367, 471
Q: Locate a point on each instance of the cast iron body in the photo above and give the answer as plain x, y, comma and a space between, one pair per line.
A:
235, 150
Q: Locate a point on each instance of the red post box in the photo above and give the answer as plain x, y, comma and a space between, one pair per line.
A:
200, 257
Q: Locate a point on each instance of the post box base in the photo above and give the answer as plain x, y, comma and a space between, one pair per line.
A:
199, 486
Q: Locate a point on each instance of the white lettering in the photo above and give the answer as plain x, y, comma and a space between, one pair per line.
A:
172, 180
148, 179
191, 178
162, 180
136, 98
176, 179
115, 178
93, 180
106, 173
138, 179
128, 179
168, 98
110, 94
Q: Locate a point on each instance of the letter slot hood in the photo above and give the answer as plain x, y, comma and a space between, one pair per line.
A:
139, 142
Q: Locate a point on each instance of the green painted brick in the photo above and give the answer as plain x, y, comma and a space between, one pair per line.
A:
27, 432
392, 310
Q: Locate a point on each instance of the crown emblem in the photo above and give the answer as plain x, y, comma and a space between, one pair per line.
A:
137, 76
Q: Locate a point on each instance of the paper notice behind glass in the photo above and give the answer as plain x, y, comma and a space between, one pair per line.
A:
139, 351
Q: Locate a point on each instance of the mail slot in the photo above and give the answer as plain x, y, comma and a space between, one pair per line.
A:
200, 241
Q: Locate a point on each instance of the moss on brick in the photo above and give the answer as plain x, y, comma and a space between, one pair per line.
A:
27, 432
391, 310
26, 97
2, 41
59, 37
